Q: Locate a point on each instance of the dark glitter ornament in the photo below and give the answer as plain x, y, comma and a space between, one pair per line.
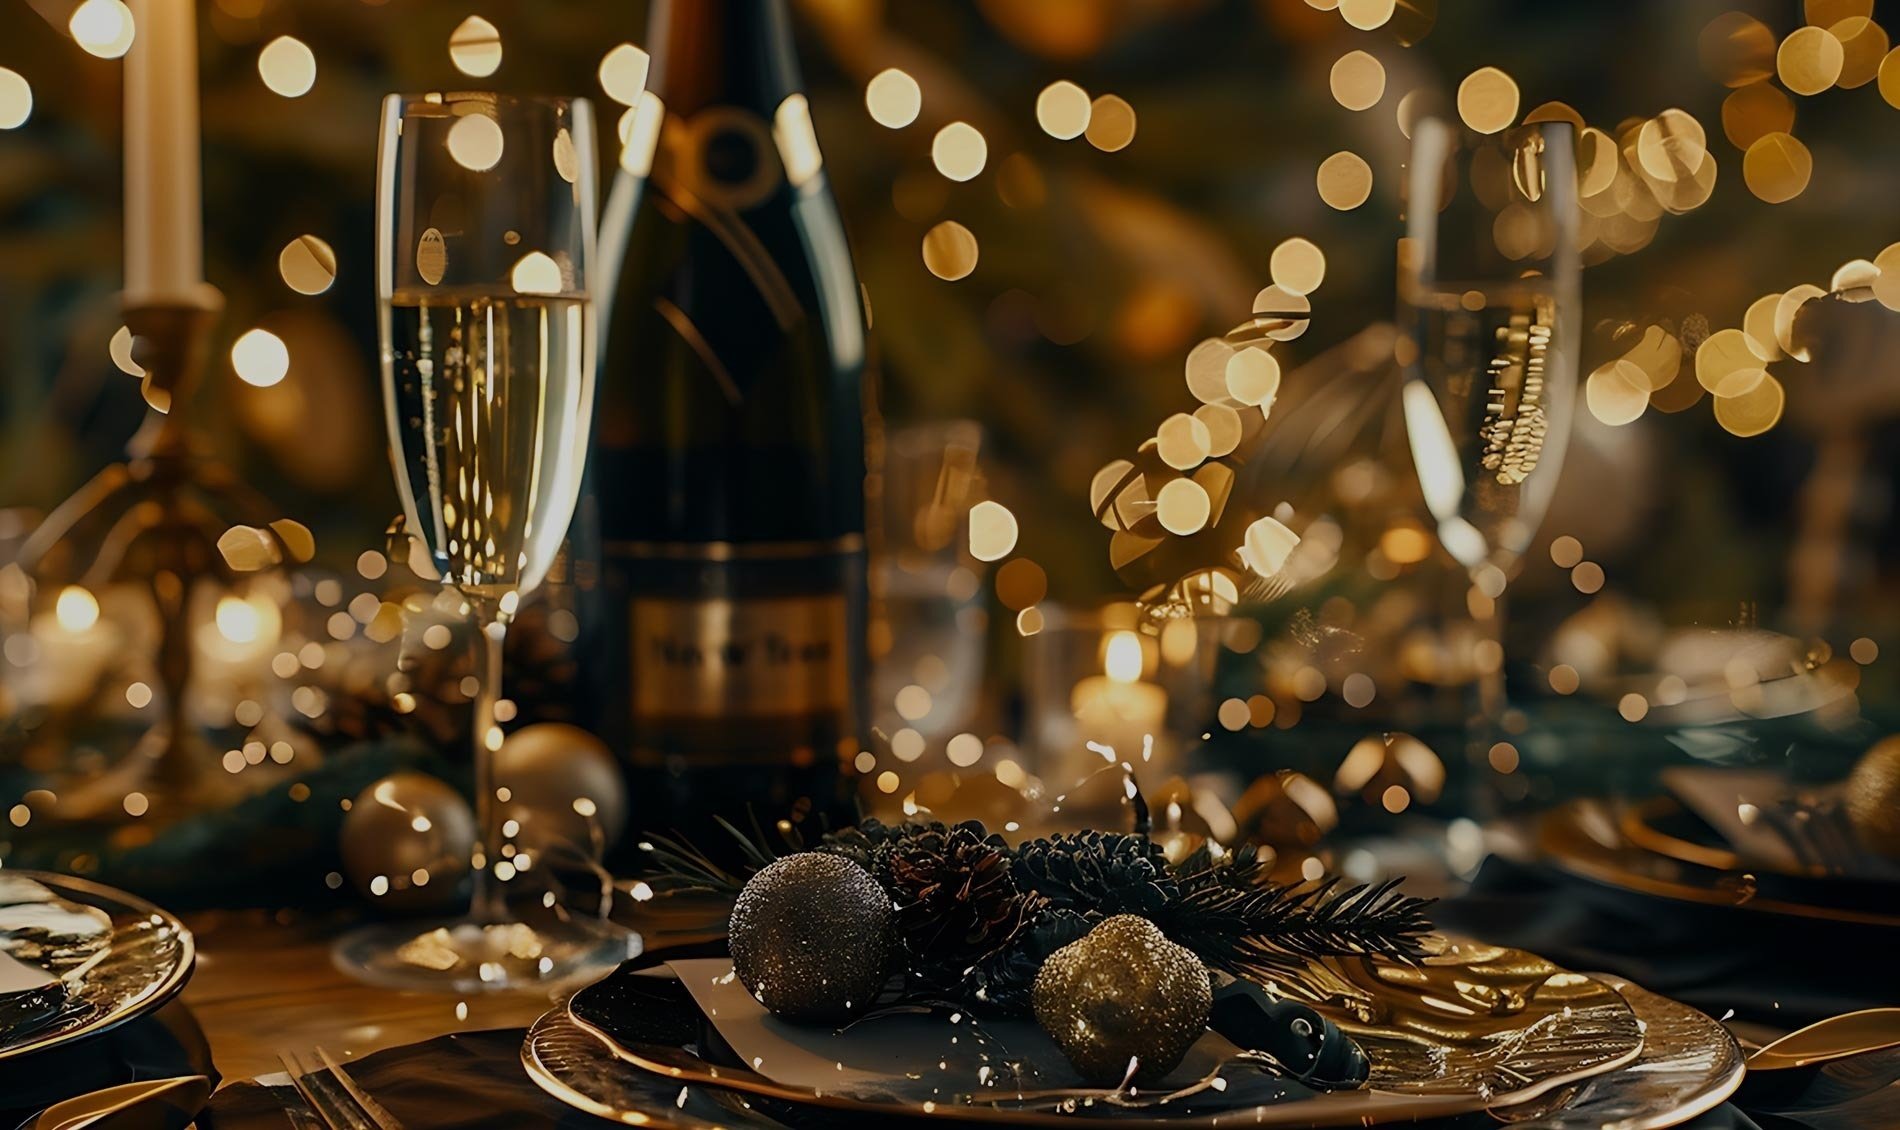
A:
810, 937
1123, 996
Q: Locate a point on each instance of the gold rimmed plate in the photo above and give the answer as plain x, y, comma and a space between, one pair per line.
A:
1689, 1065
139, 958
1470, 1028
1588, 839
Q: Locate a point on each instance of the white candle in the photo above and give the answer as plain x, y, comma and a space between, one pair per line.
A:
164, 239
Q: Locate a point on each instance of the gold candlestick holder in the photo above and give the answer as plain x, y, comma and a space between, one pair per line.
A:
169, 517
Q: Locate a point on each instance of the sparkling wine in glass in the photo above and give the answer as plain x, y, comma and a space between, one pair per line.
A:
1489, 314
485, 231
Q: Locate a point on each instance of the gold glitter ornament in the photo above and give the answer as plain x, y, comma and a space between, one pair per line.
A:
1873, 797
810, 937
1123, 999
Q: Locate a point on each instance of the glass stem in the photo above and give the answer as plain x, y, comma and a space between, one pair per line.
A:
1491, 697
486, 904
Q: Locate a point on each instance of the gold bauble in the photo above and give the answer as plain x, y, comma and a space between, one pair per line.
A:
406, 843
1873, 797
563, 788
1123, 996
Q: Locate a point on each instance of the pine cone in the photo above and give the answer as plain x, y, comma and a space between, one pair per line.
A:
957, 902
1005, 980
869, 844
1098, 873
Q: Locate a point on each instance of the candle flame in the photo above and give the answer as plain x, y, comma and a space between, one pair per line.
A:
1122, 659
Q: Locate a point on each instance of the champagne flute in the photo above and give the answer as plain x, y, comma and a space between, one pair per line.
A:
1490, 313
485, 247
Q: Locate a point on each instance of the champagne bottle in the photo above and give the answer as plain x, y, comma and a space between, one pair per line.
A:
726, 654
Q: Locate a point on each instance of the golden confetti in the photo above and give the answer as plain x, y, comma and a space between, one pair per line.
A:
1111, 123
475, 47
1063, 110
1366, 14
1183, 507
103, 27
1863, 48
1617, 392
950, 251
623, 73
1776, 167
893, 98
1344, 181
959, 151
993, 531
1752, 112
287, 66
476, 142
1487, 100
260, 358
307, 264
16, 99
1809, 60
1753, 412
1298, 266
1887, 284
1358, 81
1737, 49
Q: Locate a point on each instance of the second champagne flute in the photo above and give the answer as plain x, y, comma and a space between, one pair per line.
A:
1489, 309
485, 247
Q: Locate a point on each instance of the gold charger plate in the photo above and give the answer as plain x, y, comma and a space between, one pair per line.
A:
1586, 839
140, 964
1469, 1029
1689, 1065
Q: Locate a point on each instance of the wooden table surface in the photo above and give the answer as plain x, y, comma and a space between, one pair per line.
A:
264, 983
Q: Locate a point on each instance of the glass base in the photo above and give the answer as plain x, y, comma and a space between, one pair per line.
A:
463, 956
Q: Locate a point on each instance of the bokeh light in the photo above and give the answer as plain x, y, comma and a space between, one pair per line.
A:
475, 47
260, 358
103, 27
893, 98
287, 66
959, 151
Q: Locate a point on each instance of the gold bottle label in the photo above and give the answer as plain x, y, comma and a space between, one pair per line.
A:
739, 658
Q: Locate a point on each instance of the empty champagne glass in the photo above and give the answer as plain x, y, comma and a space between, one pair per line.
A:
485, 247
1489, 314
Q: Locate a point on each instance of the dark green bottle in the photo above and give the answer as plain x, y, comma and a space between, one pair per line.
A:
724, 653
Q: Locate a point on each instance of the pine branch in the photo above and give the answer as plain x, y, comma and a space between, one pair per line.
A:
1244, 925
